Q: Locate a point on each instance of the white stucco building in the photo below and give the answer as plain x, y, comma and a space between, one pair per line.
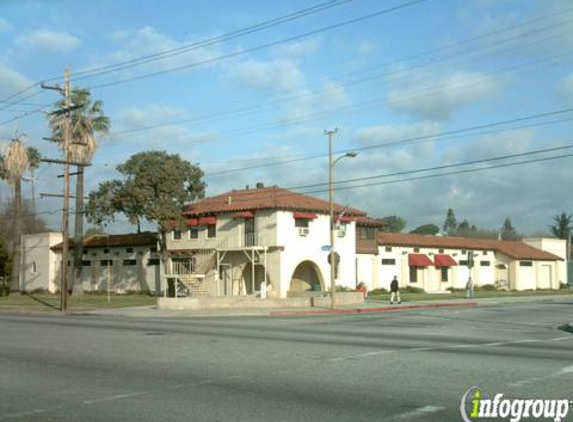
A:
240, 242
436, 263
122, 263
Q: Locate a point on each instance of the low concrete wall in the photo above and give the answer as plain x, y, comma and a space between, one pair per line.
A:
345, 298
247, 302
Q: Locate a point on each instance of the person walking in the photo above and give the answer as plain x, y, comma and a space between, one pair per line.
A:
470, 289
395, 291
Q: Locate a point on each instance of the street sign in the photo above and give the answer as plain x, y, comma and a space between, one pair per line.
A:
325, 248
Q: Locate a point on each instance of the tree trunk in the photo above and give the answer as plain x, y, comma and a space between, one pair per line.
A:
78, 231
17, 234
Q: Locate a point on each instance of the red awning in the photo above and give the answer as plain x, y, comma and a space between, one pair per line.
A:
244, 214
345, 219
443, 260
208, 220
304, 215
192, 222
419, 260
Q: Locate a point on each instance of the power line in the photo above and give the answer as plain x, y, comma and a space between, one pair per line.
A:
433, 61
255, 195
263, 46
433, 176
207, 42
437, 135
441, 167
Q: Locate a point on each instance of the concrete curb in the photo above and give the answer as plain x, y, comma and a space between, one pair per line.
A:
373, 310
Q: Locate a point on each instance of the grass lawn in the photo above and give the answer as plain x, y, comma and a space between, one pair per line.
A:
417, 297
47, 302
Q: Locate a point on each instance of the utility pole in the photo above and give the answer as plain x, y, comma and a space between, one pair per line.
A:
330, 134
65, 228
66, 163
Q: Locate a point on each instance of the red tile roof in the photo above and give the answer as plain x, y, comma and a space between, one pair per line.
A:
115, 240
271, 198
513, 249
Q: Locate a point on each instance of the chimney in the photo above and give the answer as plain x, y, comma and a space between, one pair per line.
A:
230, 200
260, 185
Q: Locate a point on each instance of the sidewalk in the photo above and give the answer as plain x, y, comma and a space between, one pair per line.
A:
370, 306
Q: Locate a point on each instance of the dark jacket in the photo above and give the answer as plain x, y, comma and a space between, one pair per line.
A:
394, 285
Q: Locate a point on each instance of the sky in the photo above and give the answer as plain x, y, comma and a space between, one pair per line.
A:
247, 89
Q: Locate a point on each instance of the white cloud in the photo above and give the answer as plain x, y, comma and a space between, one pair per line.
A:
566, 87
11, 81
48, 40
330, 96
280, 75
5, 26
365, 47
438, 97
147, 41
300, 48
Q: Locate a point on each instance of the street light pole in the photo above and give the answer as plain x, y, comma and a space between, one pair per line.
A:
331, 164
330, 134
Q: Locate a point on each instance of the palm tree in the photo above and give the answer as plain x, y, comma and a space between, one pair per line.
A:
86, 120
15, 162
563, 225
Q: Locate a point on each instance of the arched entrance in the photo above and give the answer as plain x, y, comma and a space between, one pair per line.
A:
306, 278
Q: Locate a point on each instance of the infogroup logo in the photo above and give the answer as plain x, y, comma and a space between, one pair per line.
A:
474, 406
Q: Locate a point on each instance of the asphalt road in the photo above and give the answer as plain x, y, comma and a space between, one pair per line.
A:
410, 366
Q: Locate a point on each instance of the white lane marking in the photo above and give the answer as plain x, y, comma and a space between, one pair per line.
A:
28, 413
563, 371
361, 355
421, 412
116, 397
453, 346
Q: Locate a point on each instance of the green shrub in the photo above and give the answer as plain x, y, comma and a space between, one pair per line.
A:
379, 291
486, 288
565, 286
340, 288
412, 289
455, 289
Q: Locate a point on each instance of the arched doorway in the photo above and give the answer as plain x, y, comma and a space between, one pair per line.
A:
306, 278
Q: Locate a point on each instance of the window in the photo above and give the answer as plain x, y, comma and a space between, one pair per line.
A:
153, 261
464, 252
525, 263
85, 252
129, 262
153, 249
484, 263
416, 249
211, 230
484, 253
129, 250
34, 268
177, 235
106, 262
86, 263
194, 233
388, 248
463, 262
444, 271
413, 274
366, 233
388, 261
440, 251
106, 251
342, 230
301, 222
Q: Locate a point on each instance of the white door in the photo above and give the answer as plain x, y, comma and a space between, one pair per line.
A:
546, 279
